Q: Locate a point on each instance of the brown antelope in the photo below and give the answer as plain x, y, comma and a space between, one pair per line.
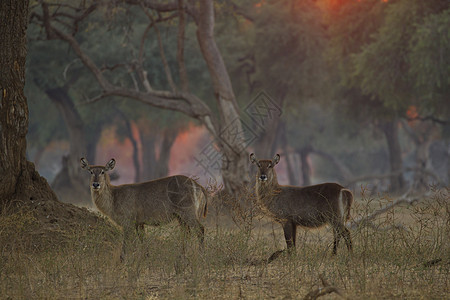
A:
309, 206
155, 202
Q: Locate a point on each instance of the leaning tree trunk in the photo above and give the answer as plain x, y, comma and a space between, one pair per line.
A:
390, 130
18, 178
230, 137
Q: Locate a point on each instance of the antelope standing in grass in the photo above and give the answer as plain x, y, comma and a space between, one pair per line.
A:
309, 206
155, 202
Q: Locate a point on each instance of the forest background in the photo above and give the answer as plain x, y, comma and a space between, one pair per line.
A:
349, 91
352, 91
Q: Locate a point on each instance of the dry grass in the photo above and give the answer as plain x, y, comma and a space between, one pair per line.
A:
410, 262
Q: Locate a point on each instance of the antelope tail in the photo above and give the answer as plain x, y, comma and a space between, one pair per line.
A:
347, 199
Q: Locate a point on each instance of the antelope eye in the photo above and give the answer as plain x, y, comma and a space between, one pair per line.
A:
270, 166
92, 172
103, 172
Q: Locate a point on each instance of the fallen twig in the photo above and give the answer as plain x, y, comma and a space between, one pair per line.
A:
327, 289
367, 220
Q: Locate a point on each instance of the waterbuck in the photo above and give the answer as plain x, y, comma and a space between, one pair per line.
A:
155, 202
309, 206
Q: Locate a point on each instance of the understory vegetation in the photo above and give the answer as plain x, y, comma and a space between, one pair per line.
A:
404, 253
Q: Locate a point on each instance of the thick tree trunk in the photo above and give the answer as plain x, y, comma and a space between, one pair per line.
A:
18, 178
305, 166
154, 166
284, 146
230, 137
94, 137
422, 134
149, 162
134, 144
71, 183
390, 130
169, 136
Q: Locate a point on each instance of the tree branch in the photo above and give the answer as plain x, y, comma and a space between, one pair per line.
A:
180, 47
429, 118
181, 101
367, 220
161, 50
342, 168
382, 176
240, 11
327, 289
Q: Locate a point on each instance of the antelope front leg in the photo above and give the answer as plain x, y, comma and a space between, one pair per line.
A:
290, 230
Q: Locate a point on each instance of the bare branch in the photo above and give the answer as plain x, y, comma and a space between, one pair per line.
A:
155, 5
382, 176
429, 118
113, 67
133, 78
161, 50
367, 220
66, 69
342, 168
327, 289
240, 11
184, 102
87, 61
180, 47
96, 98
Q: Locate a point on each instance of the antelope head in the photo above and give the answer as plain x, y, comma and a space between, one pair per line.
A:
98, 173
266, 173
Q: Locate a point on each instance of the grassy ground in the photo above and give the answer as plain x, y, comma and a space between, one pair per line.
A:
411, 261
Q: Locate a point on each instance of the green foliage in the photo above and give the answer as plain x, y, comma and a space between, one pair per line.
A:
288, 44
382, 68
351, 27
430, 63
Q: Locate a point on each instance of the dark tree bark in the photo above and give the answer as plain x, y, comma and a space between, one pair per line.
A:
169, 136
149, 140
152, 166
134, 144
390, 130
71, 183
18, 178
305, 166
284, 146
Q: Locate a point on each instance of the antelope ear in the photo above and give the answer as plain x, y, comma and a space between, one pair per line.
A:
253, 158
84, 164
276, 159
110, 165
